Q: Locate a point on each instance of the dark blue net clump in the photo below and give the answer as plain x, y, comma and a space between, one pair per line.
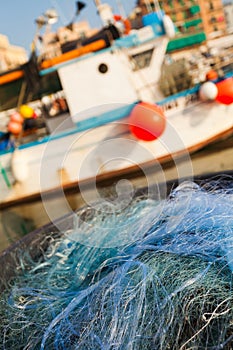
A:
153, 275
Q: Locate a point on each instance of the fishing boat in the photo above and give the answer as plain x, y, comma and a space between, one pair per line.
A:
104, 113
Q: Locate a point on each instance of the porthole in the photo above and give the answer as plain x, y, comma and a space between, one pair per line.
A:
103, 68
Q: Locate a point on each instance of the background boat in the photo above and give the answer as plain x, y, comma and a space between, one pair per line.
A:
87, 146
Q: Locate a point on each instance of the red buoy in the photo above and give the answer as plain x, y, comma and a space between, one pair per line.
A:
147, 121
225, 91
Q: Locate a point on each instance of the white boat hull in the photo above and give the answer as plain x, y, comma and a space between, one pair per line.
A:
110, 150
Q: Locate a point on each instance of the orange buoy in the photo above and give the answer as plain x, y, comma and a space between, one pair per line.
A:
211, 75
15, 128
147, 121
16, 117
225, 91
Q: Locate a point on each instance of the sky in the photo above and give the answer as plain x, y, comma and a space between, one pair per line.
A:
17, 17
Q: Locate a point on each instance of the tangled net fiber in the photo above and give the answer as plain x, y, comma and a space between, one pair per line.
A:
152, 275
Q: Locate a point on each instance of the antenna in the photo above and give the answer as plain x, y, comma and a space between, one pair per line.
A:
51, 15
61, 13
41, 21
97, 3
105, 12
121, 8
79, 7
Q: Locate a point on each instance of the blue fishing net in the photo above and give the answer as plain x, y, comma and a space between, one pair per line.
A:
149, 275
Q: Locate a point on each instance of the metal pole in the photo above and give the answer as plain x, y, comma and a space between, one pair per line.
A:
148, 5
156, 4
97, 2
121, 8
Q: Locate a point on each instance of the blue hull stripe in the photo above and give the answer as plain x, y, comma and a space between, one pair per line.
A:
105, 118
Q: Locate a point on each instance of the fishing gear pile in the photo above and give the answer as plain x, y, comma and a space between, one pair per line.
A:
155, 274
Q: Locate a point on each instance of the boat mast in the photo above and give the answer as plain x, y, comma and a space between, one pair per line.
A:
105, 12
97, 3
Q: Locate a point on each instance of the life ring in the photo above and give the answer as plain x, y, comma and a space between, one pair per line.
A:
125, 22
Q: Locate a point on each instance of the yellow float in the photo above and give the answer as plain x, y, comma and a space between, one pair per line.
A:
26, 111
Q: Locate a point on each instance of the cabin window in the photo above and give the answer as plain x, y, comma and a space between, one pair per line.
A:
142, 59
